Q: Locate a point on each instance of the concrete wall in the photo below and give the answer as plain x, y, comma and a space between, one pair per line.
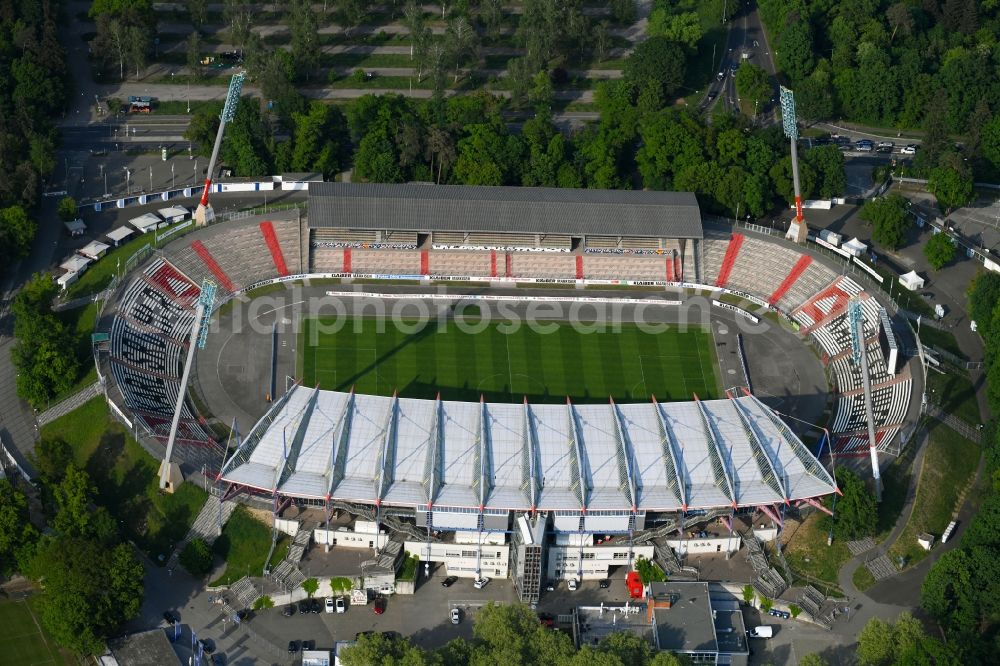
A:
461, 559
563, 560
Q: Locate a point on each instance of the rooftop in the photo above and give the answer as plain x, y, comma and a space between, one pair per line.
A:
147, 648
533, 210
686, 625
410, 452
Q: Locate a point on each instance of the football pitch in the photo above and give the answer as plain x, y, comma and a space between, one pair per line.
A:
376, 357
23, 642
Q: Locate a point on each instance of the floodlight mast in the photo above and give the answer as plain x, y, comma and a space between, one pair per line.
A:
204, 214
797, 230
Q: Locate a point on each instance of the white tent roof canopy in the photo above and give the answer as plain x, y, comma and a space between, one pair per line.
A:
75, 263
146, 221
911, 281
94, 249
119, 234
172, 212
604, 457
855, 247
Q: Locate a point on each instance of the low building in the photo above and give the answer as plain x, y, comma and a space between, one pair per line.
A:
315, 658
687, 621
146, 648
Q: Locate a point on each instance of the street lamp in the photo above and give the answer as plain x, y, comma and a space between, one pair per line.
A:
171, 175
128, 186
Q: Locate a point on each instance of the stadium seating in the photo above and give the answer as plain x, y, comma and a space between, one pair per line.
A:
537, 265
475, 264
326, 259
624, 267
148, 342
386, 262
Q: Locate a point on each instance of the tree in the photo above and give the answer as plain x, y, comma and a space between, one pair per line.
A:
17, 230
889, 220
15, 528
197, 12
246, 146
463, 44
309, 586
984, 295
74, 498
748, 594
138, 39
238, 15
440, 146
828, 162
111, 42
601, 39
794, 610
263, 602
766, 604
883, 643
196, 557
623, 11
683, 28
940, 251
990, 138
304, 38
795, 53
813, 101
44, 353
488, 155
194, 55
812, 659
320, 140
203, 127
656, 59
90, 590
781, 176
951, 183
352, 13
491, 17
857, 512
900, 20
753, 84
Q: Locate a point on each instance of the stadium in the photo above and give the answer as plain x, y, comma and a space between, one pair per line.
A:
529, 454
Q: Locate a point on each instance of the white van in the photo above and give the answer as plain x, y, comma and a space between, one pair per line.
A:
763, 631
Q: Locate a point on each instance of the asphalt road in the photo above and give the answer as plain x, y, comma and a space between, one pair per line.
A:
746, 41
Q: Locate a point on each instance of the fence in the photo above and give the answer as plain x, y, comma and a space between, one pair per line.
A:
971, 433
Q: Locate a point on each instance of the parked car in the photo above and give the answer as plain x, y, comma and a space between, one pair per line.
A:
208, 647
391, 635
481, 583
885, 146
341, 605
572, 584
720, 76
358, 635
293, 647
456, 616
304, 606
329, 604
547, 619
864, 146
309, 644
910, 149
171, 616
449, 581
218, 659
733, 67
379, 605
288, 610
605, 584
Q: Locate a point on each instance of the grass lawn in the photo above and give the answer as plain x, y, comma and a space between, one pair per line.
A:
99, 274
126, 479
24, 642
483, 358
244, 545
949, 464
955, 394
863, 579
895, 483
807, 552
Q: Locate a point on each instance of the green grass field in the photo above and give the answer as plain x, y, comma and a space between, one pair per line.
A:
23, 641
375, 357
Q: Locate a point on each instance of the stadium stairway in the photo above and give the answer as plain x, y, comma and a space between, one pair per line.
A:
732, 252
271, 239
797, 270
205, 525
212, 265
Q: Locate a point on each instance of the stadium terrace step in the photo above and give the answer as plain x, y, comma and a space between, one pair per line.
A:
205, 525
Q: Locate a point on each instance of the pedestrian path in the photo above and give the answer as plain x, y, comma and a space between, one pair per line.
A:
70, 403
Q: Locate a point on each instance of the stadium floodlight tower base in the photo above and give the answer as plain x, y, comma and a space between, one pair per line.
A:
204, 215
170, 476
797, 230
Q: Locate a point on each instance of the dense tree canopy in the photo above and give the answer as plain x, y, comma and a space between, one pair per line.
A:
940, 251
889, 220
